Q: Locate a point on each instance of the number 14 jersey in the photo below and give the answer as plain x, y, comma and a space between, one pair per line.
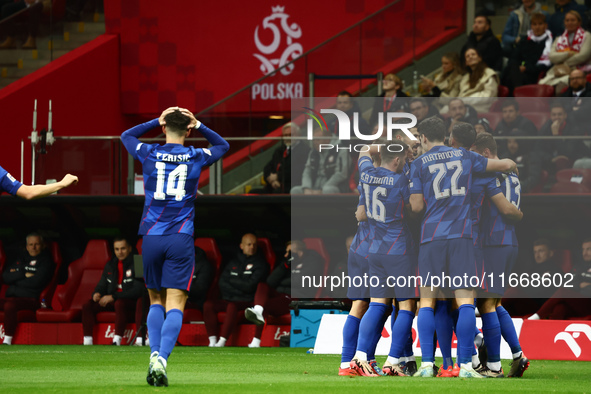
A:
444, 176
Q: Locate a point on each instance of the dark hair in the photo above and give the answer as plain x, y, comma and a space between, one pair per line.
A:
478, 71
510, 103
419, 100
486, 124
464, 134
344, 93
485, 141
588, 239
433, 128
537, 17
387, 156
120, 238
542, 241
557, 104
486, 18
177, 122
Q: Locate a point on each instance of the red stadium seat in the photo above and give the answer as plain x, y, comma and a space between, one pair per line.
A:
564, 257
138, 245
493, 117
496, 106
83, 275
537, 105
588, 77
540, 186
317, 244
563, 163
538, 118
575, 175
569, 188
503, 91
211, 249
265, 248
534, 91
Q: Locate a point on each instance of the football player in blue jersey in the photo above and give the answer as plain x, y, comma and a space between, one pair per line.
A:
440, 184
10, 185
500, 249
391, 255
171, 177
484, 191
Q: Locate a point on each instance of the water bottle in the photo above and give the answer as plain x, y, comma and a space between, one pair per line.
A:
43, 304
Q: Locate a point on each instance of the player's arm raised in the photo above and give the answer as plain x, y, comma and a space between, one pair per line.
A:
503, 165
37, 191
219, 145
508, 210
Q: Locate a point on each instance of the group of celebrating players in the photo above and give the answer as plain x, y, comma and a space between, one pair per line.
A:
467, 201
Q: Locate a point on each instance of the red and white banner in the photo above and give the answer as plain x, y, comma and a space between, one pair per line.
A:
556, 339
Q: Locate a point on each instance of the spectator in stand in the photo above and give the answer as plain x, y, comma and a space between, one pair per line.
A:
485, 42
288, 161
519, 23
447, 82
524, 301
480, 83
531, 56
26, 278
422, 109
570, 50
238, 284
579, 90
326, 172
575, 302
392, 100
483, 126
460, 112
561, 124
202, 278
118, 290
347, 104
513, 123
561, 8
274, 296
529, 162
10, 7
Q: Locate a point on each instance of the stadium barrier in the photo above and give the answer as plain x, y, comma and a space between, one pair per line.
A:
191, 334
540, 340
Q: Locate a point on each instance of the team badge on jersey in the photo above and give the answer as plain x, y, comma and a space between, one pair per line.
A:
33, 262
128, 273
248, 267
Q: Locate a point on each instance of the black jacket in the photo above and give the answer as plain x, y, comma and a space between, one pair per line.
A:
240, 277
529, 166
20, 286
582, 114
280, 278
400, 104
489, 47
202, 278
287, 163
310, 264
573, 149
520, 126
471, 117
131, 288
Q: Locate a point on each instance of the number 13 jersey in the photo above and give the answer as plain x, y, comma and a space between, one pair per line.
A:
444, 176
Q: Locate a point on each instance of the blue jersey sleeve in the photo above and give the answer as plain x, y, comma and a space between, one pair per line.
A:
416, 185
364, 163
405, 190
137, 149
8, 183
219, 145
492, 188
479, 162
361, 195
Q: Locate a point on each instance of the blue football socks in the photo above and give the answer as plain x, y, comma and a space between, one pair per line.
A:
426, 326
350, 335
444, 329
154, 321
170, 332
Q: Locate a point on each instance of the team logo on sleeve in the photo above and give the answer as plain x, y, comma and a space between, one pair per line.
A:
12, 179
207, 151
128, 273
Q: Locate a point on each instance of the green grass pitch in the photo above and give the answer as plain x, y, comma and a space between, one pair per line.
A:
101, 369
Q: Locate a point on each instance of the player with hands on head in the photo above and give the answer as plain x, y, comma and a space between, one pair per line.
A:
171, 177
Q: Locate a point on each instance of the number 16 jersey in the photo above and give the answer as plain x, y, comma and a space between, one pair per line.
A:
444, 176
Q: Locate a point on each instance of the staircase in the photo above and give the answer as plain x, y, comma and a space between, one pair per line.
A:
16, 63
